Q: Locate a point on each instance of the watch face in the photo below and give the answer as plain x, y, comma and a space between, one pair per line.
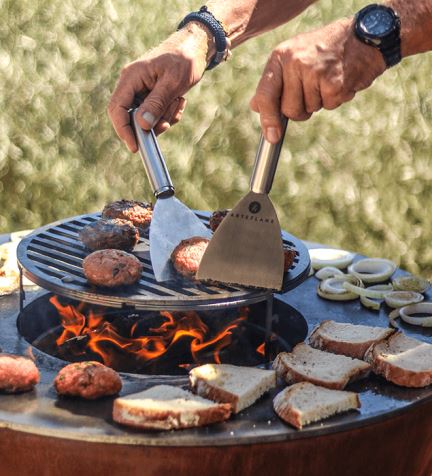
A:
378, 22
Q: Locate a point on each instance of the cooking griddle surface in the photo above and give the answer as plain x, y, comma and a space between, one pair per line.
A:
52, 258
42, 412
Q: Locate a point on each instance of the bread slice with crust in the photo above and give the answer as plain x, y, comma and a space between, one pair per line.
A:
402, 360
238, 386
165, 407
347, 339
306, 364
304, 403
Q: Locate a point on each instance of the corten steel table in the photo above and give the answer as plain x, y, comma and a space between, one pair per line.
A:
43, 435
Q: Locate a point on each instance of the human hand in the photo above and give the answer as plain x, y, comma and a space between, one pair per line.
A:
322, 68
159, 80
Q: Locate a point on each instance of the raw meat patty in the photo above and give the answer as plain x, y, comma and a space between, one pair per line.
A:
139, 213
216, 218
187, 256
17, 373
116, 233
88, 380
111, 268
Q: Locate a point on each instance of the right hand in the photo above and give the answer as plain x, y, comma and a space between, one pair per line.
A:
160, 78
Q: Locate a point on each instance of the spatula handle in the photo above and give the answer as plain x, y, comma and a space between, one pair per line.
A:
153, 160
266, 162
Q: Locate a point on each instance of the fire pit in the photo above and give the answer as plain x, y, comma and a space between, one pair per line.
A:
63, 436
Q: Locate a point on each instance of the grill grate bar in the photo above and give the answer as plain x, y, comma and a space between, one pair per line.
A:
52, 257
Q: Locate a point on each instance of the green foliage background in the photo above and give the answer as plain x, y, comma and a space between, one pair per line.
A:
358, 177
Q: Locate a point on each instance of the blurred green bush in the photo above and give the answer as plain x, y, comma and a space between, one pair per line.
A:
357, 177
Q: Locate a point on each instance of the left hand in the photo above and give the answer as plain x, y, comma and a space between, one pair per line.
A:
322, 68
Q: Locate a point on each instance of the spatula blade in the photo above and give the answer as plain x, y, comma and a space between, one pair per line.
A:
247, 248
171, 223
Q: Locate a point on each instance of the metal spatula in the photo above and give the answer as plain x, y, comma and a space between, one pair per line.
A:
247, 246
172, 221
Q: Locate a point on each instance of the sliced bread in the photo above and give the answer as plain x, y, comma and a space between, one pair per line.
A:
347, 339
402, 360
165, 407
304, 403
238, 386
306, 364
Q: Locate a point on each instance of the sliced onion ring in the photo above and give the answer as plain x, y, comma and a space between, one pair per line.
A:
332, 288
397, 299
328, 272
392, 318
420, 308
367, 292
411, 283
372, 270
322, 257
374, 303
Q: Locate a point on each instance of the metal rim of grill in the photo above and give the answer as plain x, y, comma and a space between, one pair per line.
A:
52, 258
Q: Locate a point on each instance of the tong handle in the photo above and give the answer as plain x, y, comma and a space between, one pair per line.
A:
266, 162
153, 160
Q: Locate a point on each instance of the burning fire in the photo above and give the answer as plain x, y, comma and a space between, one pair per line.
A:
102, 336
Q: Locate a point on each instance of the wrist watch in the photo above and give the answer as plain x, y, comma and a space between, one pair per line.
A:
379, 26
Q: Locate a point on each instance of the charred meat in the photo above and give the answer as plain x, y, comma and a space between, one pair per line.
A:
216, 219
139, 213
17, 373
89, 380
187, 256
111, 268
289, 256
116, 233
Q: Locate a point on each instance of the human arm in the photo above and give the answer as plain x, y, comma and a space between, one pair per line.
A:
328, 66
166, 73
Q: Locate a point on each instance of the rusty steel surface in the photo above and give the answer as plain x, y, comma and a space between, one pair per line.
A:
42, 412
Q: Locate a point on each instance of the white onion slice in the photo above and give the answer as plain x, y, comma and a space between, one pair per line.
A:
420, 308
322, 257
368, 292
411, 283
328, 272
372, 270
333, 289
374, 303
397, 299
392, 318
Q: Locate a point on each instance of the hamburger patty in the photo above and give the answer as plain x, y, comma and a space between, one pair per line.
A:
187, 255
17, 373
289, 255
116, 233
216, 219
88, 380
139, 213
111, 268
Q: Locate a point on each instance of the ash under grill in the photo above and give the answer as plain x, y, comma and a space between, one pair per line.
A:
52, 258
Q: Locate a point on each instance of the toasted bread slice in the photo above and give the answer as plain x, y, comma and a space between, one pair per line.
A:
304, 403
306, 364
164, 407
402, 360
347, 339
238, 386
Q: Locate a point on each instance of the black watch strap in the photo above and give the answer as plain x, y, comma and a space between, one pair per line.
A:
205, 17
392, 54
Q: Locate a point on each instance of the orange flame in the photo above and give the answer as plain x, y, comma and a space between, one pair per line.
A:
100, 332
261, 349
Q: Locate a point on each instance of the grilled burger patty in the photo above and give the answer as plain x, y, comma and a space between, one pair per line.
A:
289, 255
216, 218
88, 380
105, 233
17, 373
111, 268
187, 256
139, 213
